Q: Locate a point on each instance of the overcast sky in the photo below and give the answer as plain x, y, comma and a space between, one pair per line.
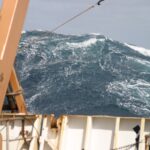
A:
122, 20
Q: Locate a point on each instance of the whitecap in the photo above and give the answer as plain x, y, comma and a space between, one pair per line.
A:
23, 32
141, 50
95, 33
85, 43
138, 60
126, 88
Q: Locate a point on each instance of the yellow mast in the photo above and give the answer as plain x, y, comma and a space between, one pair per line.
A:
11, 22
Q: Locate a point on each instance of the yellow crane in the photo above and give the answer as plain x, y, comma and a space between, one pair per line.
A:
12, 17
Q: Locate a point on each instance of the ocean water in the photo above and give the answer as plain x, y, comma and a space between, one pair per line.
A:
83, 74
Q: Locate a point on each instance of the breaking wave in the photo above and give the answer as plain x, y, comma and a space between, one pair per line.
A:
84, 74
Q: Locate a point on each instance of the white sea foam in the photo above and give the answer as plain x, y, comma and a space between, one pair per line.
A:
134, 94
140, 61
141, 50
95, 33
23, 32
34, 97
85, 43
125, 88
40, 30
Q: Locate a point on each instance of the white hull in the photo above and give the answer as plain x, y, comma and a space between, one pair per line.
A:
70, 132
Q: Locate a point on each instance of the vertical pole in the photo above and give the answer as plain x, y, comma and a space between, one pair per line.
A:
115, 144
7, 135
1, 142
141, 145
87, 135
36, 133
62, 136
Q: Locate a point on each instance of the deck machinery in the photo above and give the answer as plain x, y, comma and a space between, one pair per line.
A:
22, 130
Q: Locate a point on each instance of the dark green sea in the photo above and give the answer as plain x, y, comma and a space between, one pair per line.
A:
83, 74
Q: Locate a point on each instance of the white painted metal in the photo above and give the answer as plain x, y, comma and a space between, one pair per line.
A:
117, 125
36, 133
71, 132
15, 138
49, 136
142, 137
87, 134
126, 134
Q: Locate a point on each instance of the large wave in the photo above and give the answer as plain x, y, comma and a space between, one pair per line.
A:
83, 74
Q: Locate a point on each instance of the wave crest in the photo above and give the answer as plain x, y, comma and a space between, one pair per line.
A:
83, 74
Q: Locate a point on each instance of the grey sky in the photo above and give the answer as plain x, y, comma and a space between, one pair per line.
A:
122, 20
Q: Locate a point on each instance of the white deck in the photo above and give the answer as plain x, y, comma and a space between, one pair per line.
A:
70, 132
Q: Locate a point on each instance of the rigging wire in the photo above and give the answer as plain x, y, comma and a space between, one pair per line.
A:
78, 15
128, 147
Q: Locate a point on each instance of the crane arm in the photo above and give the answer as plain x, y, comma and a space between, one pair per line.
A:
12, 17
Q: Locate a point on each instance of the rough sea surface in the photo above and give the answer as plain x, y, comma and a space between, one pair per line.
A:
83, 74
